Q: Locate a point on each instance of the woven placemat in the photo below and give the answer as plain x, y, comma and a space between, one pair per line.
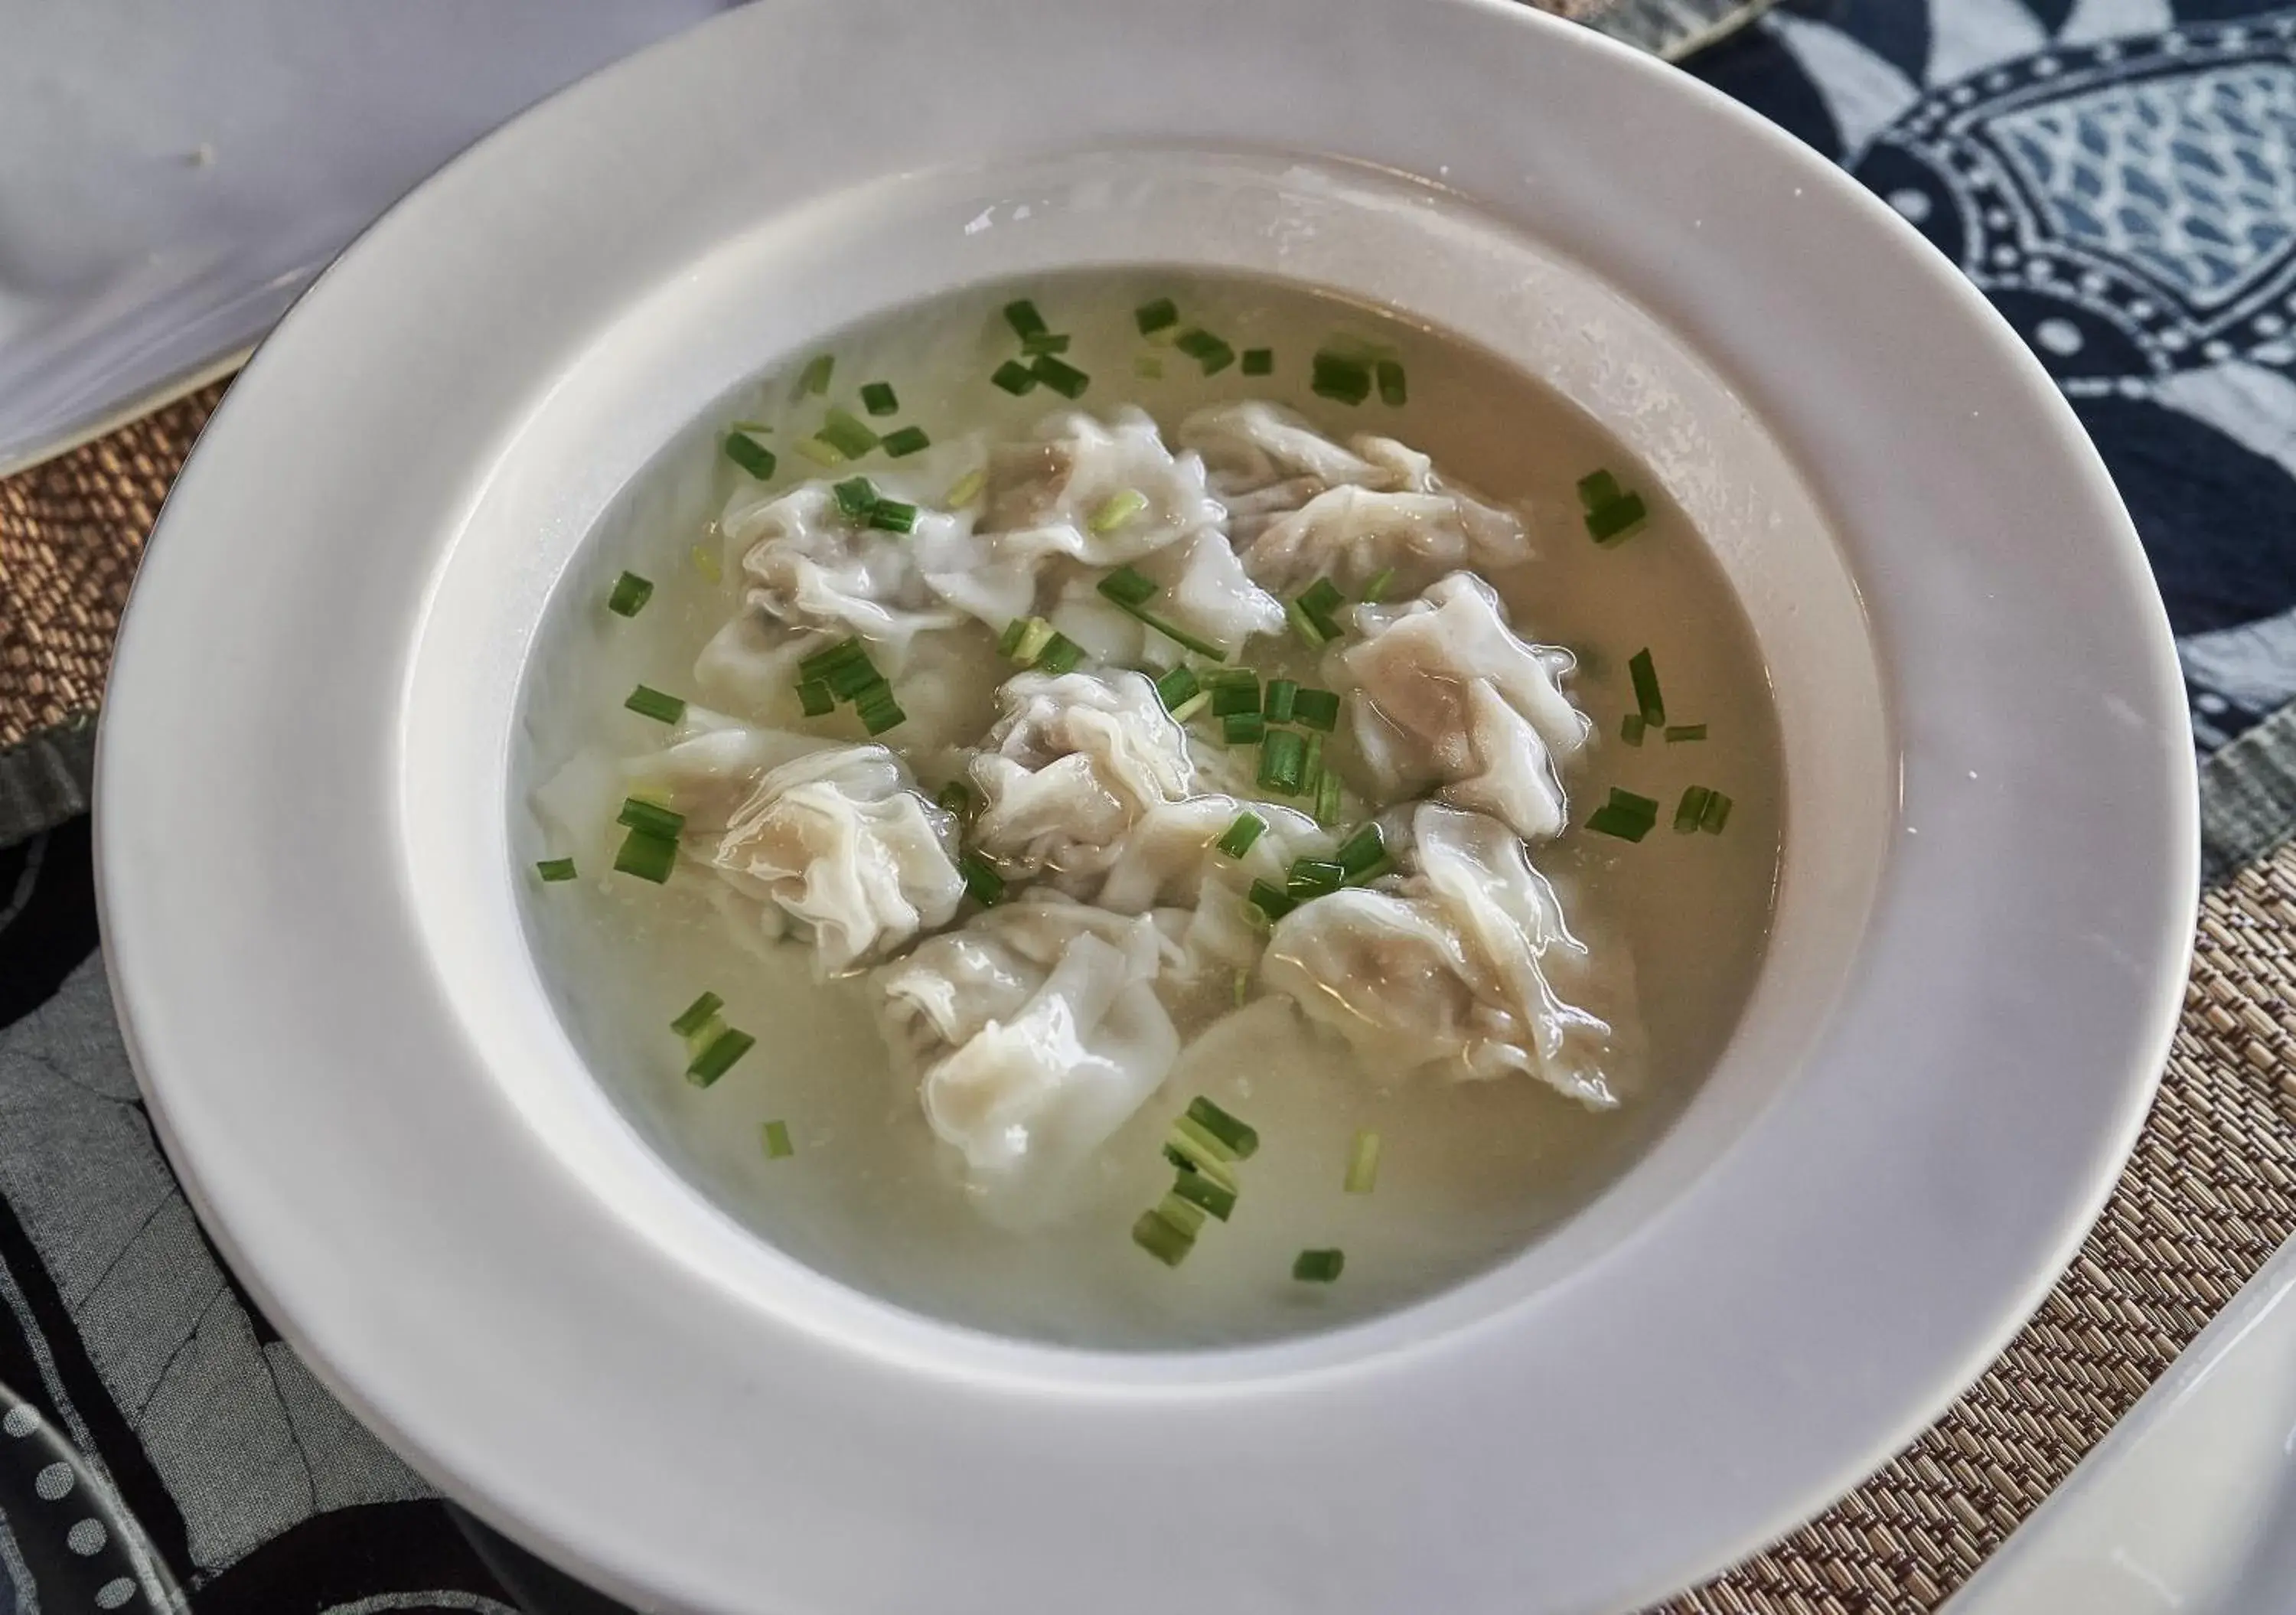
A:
2209, 1195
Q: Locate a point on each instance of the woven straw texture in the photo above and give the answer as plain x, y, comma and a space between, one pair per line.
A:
2209, 1195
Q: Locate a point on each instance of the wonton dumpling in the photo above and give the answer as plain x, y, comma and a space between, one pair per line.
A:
806, 564
1043, 495
840, 839
1035, 1032
1353, 534
1266, 461
1073, 763
1168, 865
1440, 692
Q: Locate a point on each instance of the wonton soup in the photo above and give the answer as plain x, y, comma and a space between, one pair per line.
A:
1141, 809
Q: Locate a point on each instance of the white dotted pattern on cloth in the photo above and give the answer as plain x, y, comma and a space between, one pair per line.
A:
114, 1593
87, 1537
22, 1421
53, 1481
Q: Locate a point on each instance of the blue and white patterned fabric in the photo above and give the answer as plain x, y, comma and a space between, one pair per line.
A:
2120, 177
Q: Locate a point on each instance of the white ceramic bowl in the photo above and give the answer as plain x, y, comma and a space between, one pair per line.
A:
308, 891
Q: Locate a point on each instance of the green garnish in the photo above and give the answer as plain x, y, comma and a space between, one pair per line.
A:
1277, 706
1199, 1191
1015, 378
855, 496
1318, 1267
1189, 1148
909, 441
1341, 376
1360, 851
717, 1059
1207, 349
1631, 728
1059, 655
1240, 833
631, 591
1282, 761
1391, 390
556, 869
1232, 694
697, 1014
1045, 342
1612, 513
1322, 598
878, 398
1008, 643
1148, 366
892, 516
1128, 586
1375, 591
1598, 488
1062, 377
1159, 1239
1363, 1162
957, 797
1240, 728
814, 699
1644, 673
845, 433
982, 880
1305, 625
815, 378
1717, 813
877, 716
965, 489
849, 680
751, 456
1686, 812
1269, 900
1313, 878
1022, 315
1258, 361
650, 858
706, 563
1327, 800
1626, 816
821, 664
650, 818
1176, 687
1679, 732
1241, 1137
778, 1146
1158, 315
1034, 635
1120, 508
647, 701
1316, 710
820, 451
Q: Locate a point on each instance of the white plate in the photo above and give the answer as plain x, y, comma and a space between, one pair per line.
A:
309, 882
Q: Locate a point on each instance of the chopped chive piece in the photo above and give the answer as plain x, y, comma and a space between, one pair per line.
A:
1269, 900
756, 429
650, 858
965, 489
855, 496
751, 456
1207, 349
1679, 732
1237, 838
1631, 728
1644, 673
876, 720
846, 433
1619, 518
1241, 728
1015, 378
847, 680
1322, 598
1189, 707
1644, 806
697, 1014
1022, 315
1277, 706
1008, 643
820, 451
1311, 770
1626, 816
1316, 710
1160, 1239
556, 869
1127, 585
705, 561
1148, 366
1597, 489
1717, 813
1242, 988
650, 818
1232, 695
1202, 1192
1313, 878
1220, 677
1158, 315
909, 441
1364, 877
1327, 800
1686, 812
1177, 687
1182, 1212
647, 701
1282, 761
1180, 635
1376, 589
631, 591
957, 797
1305, 625
1337, 375
814, 699
1201, 1144
1062, 377
878, 398
1258, 361
1318, 1267
982, 880
778, 1146
822, 663
1060, 654
717, 1059
1036, 634
1363, 1162
1241, 1137
1361, 850
815, 378
1045, 342
1120, 508
1391, 390
893, 516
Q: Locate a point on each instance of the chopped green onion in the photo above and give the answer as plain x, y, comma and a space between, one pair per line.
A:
705, 561
1180, 635
909, 441
1207, 349
957, 797
1008, 643
751, 456
1686, 812
1242, 988
1022, 315
1644, 673
778, 1146
822, 663
1717, 813
1241, 1137
1231, 695
717, 1059
556, 869
1376, 589
1361, 850
1677, 732
1337, 375
1148, 366
1619, 518
1158, 315
965, 489
756, 429
1221, 678
1316, 710
1282, 761
877, 720
814, 699
1036, 634
650, 818
1626, 816
1120, 508
1045, 342
855, 496
820, 451
1631, 728
1182, 1212
1318, 1267
1322, 598
1241, 728
1327, 800
1015, 378
847, 680
1159, 1239
1062, 377
650, 858
647, 701
1127, 586
1305, 625
878, 398
982, 880
1391, 390
1281, 693
1177, 687
1363, 1162
1202, 1147
1189, 707
1258, 361
893, 516
1269, 900
1313, 878
1059, 655
1597, 489
1202, 1192
845, 433
814, 379
631, 591
697, 1014
1240, 833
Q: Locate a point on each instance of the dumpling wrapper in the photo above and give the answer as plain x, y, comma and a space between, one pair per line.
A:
1075, 761
1043, 494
